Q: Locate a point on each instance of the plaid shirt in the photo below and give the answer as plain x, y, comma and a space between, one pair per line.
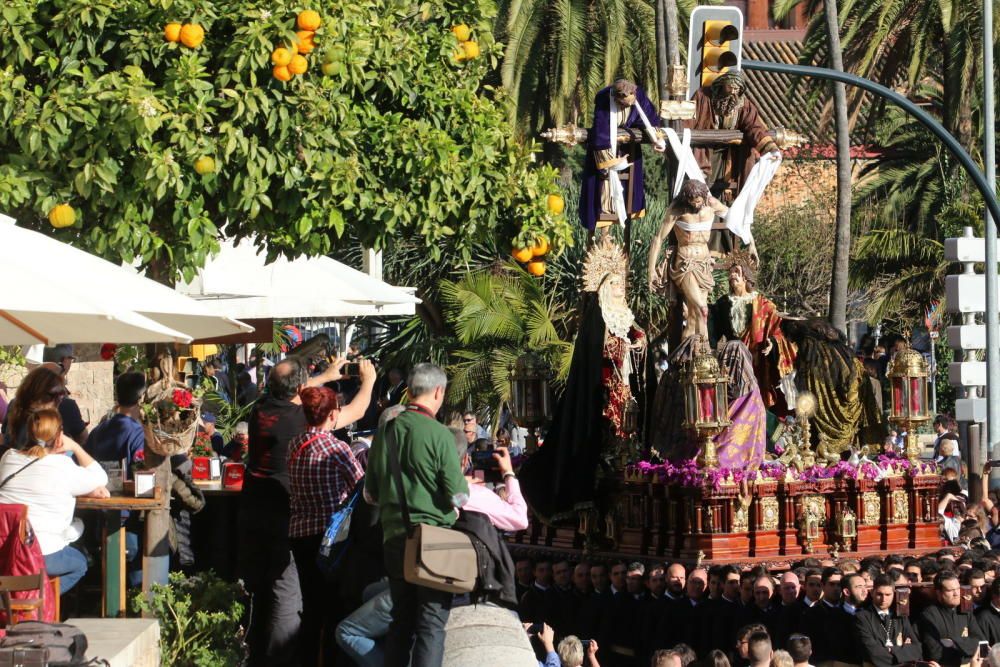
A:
322, 472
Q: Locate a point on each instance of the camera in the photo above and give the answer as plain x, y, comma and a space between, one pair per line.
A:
483, 460
351, 370
536, 628
984, 650
586, 645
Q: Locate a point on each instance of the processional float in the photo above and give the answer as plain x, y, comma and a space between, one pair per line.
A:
685, 466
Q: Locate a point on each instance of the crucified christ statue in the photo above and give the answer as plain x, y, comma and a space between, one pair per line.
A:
690, 216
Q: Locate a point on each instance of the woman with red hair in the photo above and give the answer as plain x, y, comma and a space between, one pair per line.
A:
322, 473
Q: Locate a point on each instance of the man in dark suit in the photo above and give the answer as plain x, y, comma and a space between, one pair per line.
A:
949, 636
532, 603
988, 615
619, 635
818, 619
681, 620
721, 616
788, 614
558, 600
760, 610
886, 639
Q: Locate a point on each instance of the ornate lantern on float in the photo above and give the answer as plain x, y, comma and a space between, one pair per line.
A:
908, 375
529, 395
706, 403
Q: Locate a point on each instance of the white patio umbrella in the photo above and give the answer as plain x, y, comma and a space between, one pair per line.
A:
58, 293
240, 283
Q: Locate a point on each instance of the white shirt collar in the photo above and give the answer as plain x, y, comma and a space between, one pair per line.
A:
849, 608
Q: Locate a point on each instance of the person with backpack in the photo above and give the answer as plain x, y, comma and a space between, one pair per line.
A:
322, 474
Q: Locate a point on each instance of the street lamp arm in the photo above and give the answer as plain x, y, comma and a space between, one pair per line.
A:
928, 121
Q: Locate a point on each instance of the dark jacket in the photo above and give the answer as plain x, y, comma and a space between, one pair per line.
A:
988, 620
190, 500
833, 634
872, 639
937, 623
496, 567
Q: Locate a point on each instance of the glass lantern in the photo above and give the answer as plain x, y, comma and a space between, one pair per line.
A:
530, 403
908, 374
706, 403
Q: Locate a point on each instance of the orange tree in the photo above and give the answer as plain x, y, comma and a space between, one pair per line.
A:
163, 123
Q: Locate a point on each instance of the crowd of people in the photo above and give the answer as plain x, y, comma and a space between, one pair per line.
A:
302, 467
939, 609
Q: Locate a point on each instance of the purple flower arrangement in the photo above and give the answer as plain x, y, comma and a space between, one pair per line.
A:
686, 472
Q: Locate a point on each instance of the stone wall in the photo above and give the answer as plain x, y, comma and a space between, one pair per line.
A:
805, 181
90, 381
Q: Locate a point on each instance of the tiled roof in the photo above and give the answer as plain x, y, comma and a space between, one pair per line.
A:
784, 104
780, 101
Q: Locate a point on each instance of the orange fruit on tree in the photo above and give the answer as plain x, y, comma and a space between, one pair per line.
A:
306, 43
281, 73
192, 35
62, 216
471, 50
299, 65
461, 32
522, 254
172, 32
541, 247
555, 204
536, 268
281, 56
204, 165
308, 20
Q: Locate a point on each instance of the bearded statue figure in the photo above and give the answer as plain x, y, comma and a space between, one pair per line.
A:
725, 106
746, 315
573, 471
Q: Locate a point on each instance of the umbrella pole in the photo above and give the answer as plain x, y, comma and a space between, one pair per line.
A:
23, 327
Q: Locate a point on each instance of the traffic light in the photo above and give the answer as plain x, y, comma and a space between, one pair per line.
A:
715, 44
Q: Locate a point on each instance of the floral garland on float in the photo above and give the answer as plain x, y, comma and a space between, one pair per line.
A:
690, 475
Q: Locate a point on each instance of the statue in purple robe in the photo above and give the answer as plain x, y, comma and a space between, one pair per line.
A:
604, 197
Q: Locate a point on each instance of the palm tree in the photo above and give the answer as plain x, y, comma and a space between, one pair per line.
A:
558, 54
902, 43
497, 315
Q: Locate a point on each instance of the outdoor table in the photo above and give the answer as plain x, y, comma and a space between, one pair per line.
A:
213, 487
214, 530
113, 545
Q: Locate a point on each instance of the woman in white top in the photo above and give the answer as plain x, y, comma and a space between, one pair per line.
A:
47, 480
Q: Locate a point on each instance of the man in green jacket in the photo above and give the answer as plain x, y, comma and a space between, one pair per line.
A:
434, 487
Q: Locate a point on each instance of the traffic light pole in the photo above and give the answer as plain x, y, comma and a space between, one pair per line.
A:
928, 121
992, 306
984, 185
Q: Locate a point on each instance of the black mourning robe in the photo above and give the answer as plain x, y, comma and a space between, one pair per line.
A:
988, 620
937, 623
871, 633
560, 477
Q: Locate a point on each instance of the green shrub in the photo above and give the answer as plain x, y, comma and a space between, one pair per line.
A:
199, 620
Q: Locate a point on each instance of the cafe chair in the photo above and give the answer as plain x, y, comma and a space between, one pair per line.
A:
17, 608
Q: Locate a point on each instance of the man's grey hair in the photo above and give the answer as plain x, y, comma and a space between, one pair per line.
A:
637, 567
994, 657
286, 377
570, 651
425, 378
